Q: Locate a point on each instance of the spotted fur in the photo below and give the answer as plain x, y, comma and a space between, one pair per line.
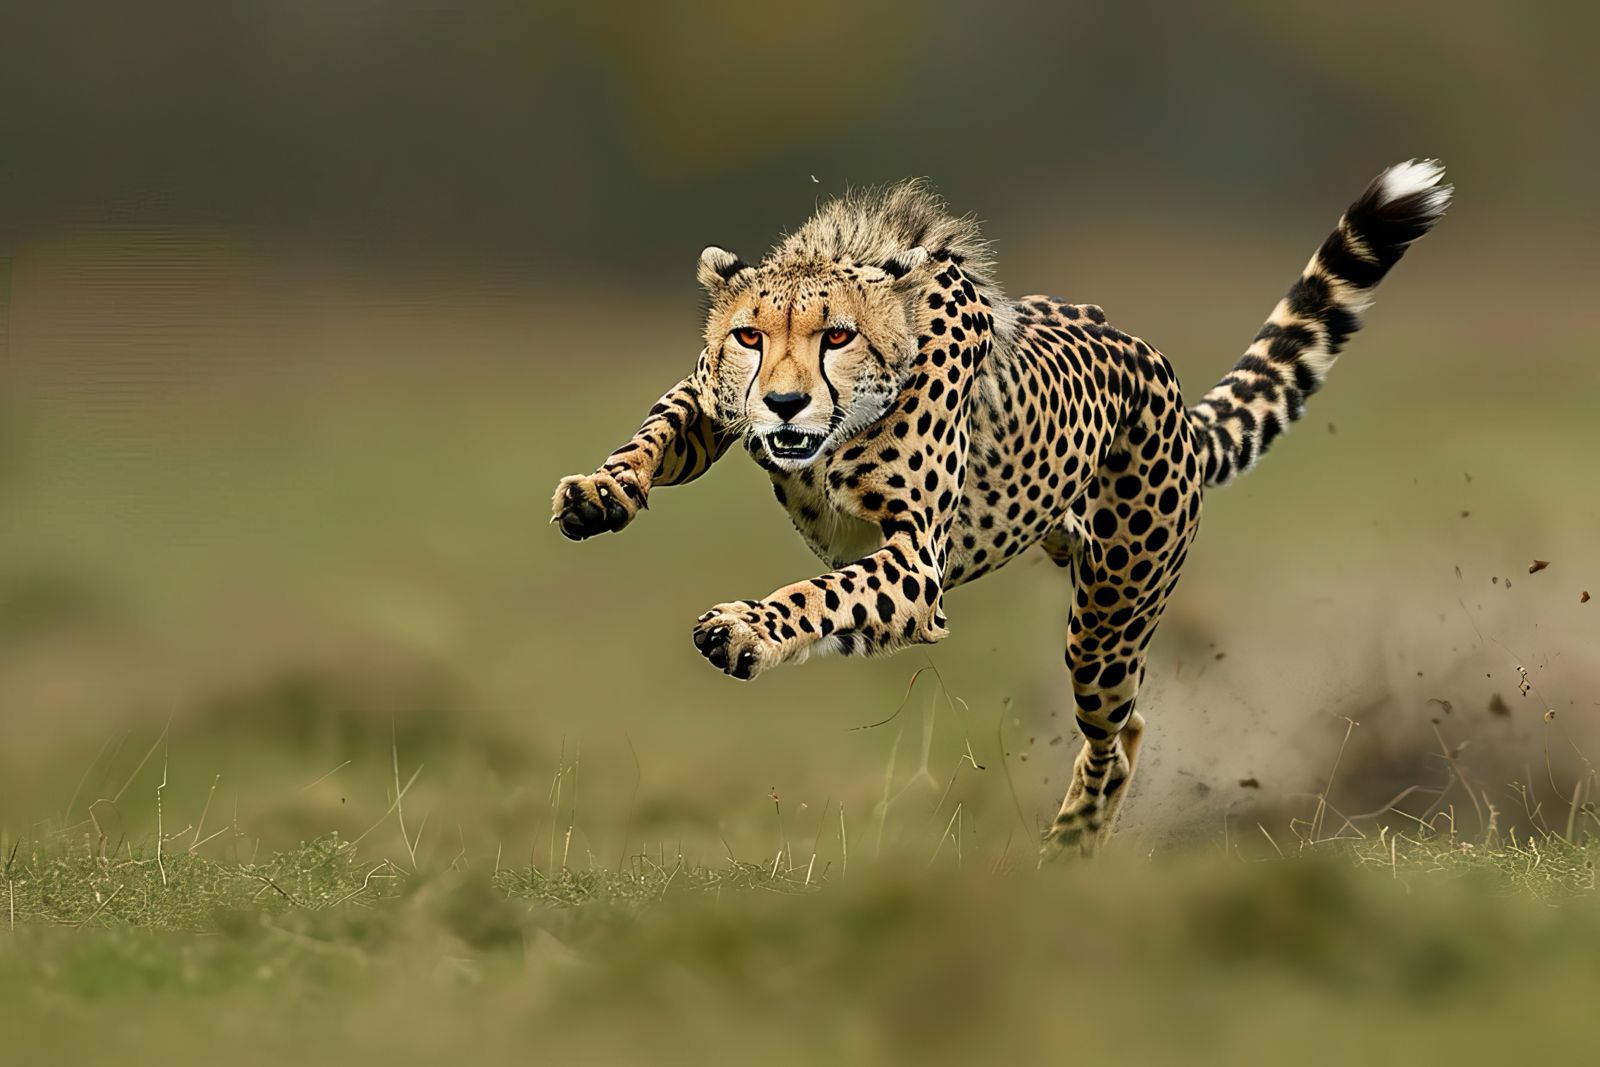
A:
922, 430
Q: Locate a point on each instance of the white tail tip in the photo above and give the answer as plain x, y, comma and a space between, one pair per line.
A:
1417, 176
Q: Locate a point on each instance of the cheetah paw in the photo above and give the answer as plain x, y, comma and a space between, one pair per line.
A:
589, 504
733, 639
1074, 833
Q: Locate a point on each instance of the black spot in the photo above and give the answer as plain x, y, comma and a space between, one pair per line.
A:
1091, 731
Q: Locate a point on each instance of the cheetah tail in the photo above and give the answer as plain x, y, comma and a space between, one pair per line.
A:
1266, 390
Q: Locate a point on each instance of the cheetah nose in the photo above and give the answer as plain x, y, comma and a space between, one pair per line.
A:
787, 405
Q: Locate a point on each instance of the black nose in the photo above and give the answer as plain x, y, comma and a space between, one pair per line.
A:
787, 405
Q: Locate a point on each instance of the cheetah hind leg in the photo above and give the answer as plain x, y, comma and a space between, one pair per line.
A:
1100, 778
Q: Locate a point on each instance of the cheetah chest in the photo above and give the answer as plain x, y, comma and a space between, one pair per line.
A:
835, 536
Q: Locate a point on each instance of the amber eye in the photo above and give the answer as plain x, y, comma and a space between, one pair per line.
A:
748, 337
838, 337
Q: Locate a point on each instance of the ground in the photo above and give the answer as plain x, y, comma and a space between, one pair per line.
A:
1422, 949
266, 602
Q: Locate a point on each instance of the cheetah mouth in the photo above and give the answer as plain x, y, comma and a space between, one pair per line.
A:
790, 443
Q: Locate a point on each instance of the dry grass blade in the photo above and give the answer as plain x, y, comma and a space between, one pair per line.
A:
268, 883
78, 790
160, 836
844, 845
324, 777
104, 904
391, 810
1322, 798
203, 813
898, 707
151, 751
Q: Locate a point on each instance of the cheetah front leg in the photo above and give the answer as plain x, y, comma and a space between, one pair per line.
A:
878, 604
678, 442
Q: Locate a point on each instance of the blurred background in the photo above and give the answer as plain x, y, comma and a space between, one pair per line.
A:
305, 307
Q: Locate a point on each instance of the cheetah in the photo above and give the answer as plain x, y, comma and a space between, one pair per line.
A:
922, 430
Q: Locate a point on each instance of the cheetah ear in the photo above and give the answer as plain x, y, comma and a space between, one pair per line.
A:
903, 263
718, 267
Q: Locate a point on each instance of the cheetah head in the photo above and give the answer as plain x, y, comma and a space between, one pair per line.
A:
806, 352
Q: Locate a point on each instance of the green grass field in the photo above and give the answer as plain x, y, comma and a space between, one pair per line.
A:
1418, 946
316, 744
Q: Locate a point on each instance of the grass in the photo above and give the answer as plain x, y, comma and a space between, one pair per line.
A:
1402, 941
1412, 931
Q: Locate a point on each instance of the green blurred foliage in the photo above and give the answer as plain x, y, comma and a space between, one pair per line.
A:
615, 137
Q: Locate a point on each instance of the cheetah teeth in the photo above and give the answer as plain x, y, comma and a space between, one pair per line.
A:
789, 443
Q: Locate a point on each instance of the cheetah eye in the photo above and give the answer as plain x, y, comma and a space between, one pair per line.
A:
748, 337
838, 337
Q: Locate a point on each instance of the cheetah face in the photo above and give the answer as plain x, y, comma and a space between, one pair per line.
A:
805, 355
